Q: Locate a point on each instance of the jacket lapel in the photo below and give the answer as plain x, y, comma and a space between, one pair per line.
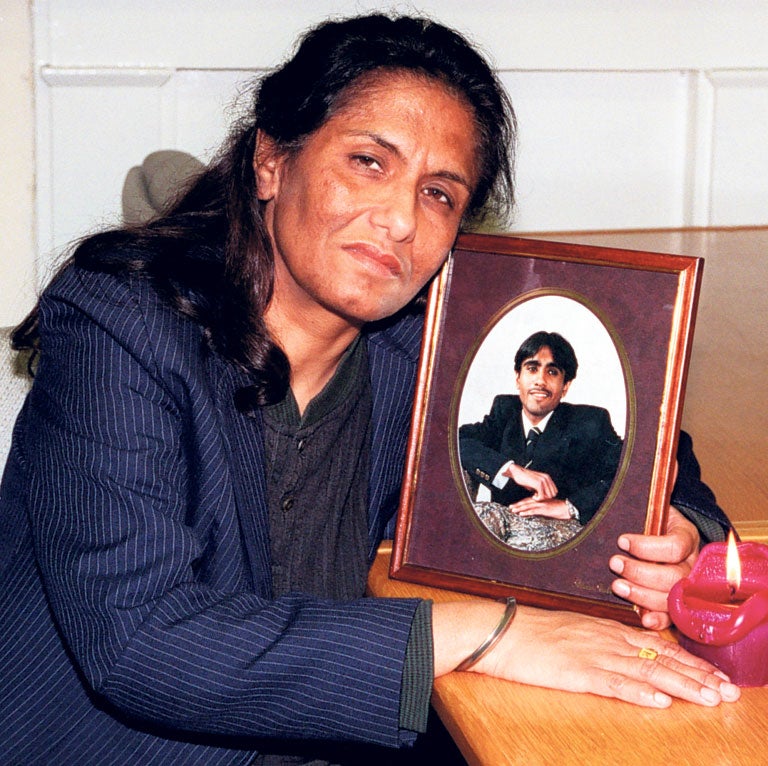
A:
514, 433
551, 442
245, 452
393, 357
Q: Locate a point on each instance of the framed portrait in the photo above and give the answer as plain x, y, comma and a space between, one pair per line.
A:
546, 418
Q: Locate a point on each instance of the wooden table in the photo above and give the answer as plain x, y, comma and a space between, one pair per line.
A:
496, 723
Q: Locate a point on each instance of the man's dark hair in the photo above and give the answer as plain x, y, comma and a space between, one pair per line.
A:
209, 254
563, 354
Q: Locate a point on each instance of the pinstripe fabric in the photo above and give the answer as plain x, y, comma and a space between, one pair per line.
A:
135, 607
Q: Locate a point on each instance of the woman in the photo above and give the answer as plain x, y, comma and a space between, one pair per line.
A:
215, 437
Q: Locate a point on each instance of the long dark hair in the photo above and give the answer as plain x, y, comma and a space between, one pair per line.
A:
209, 254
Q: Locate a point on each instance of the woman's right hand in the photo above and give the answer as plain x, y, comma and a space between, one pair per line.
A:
575, 652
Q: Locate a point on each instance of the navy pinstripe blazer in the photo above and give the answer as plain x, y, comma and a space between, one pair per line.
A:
136, 617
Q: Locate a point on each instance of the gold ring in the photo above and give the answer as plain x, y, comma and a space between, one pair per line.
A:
648, 654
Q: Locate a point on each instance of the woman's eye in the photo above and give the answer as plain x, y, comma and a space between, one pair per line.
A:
439, 196
366, 161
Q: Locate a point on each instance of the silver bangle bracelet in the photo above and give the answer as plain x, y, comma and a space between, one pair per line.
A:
493, 636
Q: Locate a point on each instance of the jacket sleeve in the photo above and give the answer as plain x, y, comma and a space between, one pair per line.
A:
125, 540
479, 444
693, 498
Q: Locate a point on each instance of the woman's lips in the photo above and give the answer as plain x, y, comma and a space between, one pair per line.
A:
371, 254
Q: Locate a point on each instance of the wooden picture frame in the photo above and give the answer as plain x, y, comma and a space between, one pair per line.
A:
492, 292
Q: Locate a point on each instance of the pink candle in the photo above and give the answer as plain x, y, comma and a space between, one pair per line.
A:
721, 610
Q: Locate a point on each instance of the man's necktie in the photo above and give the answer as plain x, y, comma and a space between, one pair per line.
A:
530, 444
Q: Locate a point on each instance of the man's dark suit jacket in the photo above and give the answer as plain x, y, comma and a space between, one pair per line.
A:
579, 449
137, 624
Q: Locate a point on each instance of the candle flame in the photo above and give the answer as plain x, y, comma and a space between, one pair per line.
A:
732, 563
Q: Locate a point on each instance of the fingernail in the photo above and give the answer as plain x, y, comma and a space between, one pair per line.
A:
709, 695
651, 622
661, 699
616, 564
730, 691
623, 543
621, 588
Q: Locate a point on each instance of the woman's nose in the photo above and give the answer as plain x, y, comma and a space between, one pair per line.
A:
397, 214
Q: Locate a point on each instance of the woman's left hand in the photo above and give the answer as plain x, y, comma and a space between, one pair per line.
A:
656, 563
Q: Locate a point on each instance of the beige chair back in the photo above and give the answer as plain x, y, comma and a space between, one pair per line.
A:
14, 384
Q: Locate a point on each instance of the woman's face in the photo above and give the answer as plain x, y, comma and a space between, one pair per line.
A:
367, 210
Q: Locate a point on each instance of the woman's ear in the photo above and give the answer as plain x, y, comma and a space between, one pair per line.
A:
266, 166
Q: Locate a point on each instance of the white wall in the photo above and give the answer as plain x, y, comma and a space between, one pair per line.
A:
632, 114
17, 178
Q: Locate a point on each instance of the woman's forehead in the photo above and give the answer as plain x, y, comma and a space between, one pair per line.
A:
398, 101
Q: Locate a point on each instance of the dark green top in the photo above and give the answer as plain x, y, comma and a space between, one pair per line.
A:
317, 488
